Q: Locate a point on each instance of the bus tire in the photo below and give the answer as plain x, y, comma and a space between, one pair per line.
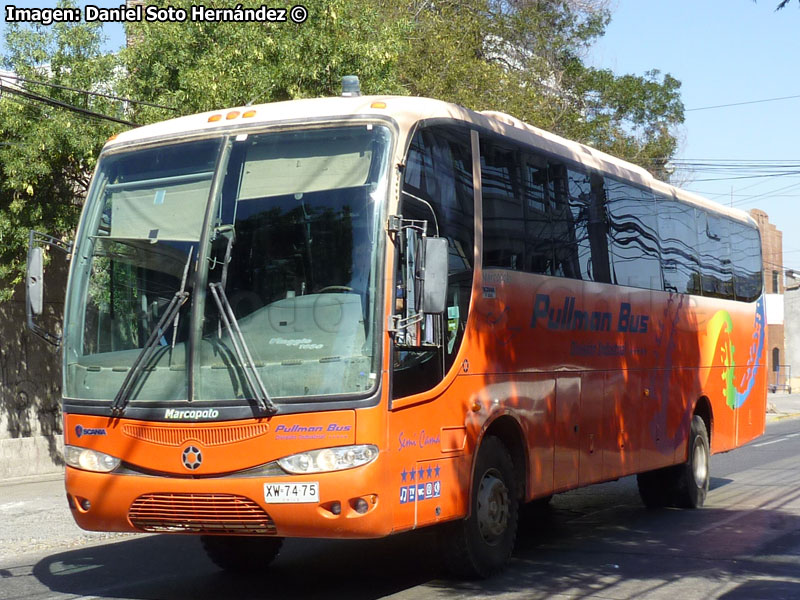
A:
241, 554
480, 545
693, 475
684, 485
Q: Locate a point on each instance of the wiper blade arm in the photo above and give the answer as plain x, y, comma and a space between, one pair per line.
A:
241, 350
167, 318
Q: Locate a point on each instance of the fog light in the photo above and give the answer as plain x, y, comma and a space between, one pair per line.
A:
85, 505
361, 506
336, 508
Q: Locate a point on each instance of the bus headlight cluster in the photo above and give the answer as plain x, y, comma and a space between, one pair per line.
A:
90, 460
329, 459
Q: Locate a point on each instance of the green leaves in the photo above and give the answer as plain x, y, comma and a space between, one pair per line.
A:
195, 67
47, 153
525, 58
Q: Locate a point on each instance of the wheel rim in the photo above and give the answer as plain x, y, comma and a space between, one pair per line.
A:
493, 507
700, 464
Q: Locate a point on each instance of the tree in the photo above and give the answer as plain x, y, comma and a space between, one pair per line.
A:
523, 57
198, 66
526, 58
47, 154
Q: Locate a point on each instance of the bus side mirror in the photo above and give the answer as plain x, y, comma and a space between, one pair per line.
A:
434, 295
34, 282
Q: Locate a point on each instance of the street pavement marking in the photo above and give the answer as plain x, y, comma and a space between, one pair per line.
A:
783, 439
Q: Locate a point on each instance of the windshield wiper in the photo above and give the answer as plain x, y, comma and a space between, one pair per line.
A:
168, 317
241, 350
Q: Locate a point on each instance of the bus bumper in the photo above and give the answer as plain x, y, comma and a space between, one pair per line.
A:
349, 505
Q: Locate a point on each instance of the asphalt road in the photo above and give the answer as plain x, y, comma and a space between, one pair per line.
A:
598, 542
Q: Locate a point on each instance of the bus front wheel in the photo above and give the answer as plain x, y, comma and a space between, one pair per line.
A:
241, 554
481, 545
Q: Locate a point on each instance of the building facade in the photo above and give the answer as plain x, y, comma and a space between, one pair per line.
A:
774, 287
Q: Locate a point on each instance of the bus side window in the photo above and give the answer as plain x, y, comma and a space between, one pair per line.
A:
746, 259
438, 177
503, 219
678, 234
713, 241
538, 227
566, 251
577, 243
633, 241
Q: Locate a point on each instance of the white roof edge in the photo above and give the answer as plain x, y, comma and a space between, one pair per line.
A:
407, 110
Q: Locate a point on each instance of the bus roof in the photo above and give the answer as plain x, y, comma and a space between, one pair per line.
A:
406, 111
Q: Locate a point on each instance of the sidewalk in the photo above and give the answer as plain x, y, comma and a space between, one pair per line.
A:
34, 517
781, 405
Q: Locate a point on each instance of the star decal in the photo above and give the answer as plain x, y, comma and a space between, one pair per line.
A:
404, 474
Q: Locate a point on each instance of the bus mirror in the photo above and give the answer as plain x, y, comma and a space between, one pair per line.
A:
435, 278
35, 281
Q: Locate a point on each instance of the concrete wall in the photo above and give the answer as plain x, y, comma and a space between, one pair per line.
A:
31, 441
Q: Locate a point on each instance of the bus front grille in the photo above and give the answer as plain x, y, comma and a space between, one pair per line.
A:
208, 436
200, 513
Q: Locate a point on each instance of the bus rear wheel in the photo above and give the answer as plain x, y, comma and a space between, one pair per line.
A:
693, 476
480, 545
241, 554
684, 485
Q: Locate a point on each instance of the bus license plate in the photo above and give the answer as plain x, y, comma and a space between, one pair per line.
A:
280, 493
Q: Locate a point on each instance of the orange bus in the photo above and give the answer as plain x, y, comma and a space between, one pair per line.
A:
355, 316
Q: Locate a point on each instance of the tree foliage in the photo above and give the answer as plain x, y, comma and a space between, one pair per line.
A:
526, 58
198, 66
47, 154
523, 57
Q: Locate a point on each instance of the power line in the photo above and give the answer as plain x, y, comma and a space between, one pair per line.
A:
749, 199
64, 105
784, 174
741, 103
90, 93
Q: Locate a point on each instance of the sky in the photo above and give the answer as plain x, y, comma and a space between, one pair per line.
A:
723, 52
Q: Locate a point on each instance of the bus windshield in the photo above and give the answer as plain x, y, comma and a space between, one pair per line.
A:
276, 230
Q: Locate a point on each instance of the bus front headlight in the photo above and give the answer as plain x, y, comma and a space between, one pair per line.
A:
329, 459
90, 460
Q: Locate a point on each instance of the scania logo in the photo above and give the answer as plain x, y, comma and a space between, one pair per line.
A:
192, 458
80, 431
